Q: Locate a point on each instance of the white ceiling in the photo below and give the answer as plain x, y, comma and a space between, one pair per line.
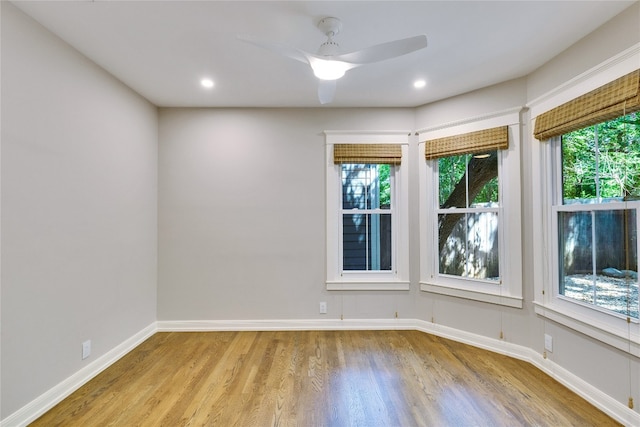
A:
161, 49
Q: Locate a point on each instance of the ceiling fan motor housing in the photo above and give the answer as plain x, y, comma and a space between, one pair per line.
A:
329, 48
330, 27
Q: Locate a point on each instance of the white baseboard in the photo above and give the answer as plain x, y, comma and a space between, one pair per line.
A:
602, 401
34, 409
284, 325
591, 394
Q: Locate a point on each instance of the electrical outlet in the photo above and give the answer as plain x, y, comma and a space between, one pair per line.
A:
86, 349
548, 342
323, 308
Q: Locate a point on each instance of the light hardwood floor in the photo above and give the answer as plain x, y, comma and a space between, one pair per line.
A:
319, 378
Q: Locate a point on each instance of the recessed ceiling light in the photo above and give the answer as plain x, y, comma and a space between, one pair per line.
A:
419, 84
206, 83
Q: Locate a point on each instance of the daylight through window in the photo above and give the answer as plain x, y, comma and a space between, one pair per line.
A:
468, 216
597, 215
366, 217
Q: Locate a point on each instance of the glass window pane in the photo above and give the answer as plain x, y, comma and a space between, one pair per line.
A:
384, 186
469, 245
482, 246
468, 177
452, 243
366, 186
631, 124
610, 238
366, 244
578, 166
483, 179
355, 186
602, 162
451, 175
576, 260
616, 284
610, 167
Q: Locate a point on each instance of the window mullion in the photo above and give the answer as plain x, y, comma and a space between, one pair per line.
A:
597, 166
594, 252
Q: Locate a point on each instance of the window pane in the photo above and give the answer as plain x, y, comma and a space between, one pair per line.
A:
451, 175
578, 165
366, 244
481, 187
366, 186
609, 238
602, 162
631, 158
576, 262
483, 180
469, 245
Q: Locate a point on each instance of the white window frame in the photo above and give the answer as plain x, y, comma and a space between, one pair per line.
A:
508, 291
398, 277
603, 325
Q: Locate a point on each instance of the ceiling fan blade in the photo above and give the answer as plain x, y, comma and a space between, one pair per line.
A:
288, 51
384, 51
326, 91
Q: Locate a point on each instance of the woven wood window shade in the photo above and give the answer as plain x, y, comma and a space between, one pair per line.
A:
615, 99
473, 142
367, 153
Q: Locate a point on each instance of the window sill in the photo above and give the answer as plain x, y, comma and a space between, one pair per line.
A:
622, 340
367, 286
506, 300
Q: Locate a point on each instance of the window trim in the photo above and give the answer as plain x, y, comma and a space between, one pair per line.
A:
397, 279
509, 291
392, 210
604, 327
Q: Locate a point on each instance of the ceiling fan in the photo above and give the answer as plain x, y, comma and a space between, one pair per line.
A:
329, 64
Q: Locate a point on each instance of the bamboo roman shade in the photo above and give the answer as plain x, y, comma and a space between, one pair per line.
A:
467, 143
367, 153
615, 99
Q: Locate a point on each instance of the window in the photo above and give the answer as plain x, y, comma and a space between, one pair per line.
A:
587, 161
596, 204
367, 215
367, 212
470, 211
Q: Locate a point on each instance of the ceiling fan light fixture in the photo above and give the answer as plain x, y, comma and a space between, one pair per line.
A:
326, 69
206, 83
419, 84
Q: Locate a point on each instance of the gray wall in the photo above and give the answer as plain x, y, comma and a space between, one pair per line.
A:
79, 209
241, 210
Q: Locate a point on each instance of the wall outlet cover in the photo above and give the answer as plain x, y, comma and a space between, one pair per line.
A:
323, 308
86, 349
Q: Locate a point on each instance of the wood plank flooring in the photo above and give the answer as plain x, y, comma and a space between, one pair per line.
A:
319, 378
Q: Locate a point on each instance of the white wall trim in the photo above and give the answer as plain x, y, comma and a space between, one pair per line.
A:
472, 294
597, 398
511, 115
400, 285
602, 401
616, 66
342, 133
34, 409
285, 325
